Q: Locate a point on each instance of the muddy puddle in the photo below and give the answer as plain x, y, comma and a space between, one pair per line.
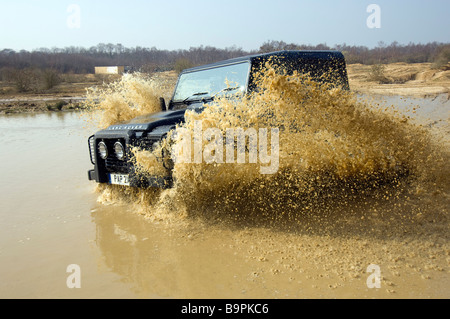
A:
388, 243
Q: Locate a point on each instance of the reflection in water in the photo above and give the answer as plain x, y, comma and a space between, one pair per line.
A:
49, 219
45, 202
161, 261
322, 252
324, 255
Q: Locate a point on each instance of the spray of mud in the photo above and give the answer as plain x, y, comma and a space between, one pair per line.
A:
133, 95
357, 182
333, 148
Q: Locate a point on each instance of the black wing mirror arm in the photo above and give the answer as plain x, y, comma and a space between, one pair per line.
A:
162, 104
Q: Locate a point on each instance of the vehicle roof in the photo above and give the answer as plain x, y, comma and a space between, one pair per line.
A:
290, 54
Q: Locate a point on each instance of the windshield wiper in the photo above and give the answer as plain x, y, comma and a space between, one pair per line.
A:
194, 95
227, 90
190, 98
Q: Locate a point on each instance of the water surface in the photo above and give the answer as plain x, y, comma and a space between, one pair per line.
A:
50, 218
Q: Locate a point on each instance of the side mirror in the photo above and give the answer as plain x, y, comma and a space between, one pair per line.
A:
162, 104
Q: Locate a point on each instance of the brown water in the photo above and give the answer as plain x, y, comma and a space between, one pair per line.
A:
50, 218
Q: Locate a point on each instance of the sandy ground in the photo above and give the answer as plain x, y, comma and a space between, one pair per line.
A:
69, 93
418, 80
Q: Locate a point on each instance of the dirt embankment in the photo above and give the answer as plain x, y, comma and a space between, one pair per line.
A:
68, 95
414, 80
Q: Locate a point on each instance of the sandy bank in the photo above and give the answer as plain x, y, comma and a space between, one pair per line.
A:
413, 80
418, 80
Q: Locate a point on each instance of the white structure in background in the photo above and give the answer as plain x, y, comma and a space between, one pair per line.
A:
110, 69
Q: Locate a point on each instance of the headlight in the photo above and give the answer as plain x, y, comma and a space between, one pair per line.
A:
119, 150
102, 150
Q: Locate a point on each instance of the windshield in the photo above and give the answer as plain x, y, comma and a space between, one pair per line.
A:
210, 82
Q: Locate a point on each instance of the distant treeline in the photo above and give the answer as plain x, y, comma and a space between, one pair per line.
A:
83, 60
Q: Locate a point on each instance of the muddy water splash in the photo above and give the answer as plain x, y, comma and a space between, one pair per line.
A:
358, 183
333, 148
131, 96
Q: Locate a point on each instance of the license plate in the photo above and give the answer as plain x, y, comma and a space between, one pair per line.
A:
119, 179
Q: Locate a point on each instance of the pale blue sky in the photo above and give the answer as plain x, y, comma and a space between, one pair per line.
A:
177, 24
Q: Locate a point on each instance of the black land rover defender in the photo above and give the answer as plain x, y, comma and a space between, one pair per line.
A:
110, 149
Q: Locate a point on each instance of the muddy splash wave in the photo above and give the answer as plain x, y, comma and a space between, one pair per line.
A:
333, 148
133, 95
